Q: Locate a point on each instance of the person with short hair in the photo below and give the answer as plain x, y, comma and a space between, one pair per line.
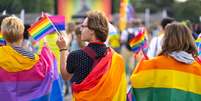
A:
25, 76
96, 71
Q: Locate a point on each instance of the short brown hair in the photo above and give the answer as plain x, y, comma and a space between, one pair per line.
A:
12, 29
178, 37
98, 22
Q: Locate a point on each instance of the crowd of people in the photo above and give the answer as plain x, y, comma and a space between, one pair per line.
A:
95, 62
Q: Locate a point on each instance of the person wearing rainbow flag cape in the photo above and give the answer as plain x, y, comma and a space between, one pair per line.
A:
25, 76
96, 72
173, 75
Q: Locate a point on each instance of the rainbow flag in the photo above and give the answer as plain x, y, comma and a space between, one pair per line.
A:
71, 8
58, 21
164, 79
130, 95
2, 41
106, 82
113, 37
138, 42
198, 44
24, 79
41, 28
123, 14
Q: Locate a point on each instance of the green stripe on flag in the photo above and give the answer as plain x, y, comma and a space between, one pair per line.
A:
164, 94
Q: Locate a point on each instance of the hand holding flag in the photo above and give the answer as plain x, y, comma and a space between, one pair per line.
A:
64, 40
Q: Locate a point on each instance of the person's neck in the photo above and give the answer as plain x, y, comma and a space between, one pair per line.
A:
15, 44
95, 41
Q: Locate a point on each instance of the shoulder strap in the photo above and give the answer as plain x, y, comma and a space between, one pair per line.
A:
90, 52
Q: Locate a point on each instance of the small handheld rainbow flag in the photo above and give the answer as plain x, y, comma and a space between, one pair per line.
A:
41, 28
138, 42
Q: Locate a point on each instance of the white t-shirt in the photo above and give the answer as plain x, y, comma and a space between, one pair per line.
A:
155, 46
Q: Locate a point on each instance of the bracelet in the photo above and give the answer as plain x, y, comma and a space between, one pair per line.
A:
65, 49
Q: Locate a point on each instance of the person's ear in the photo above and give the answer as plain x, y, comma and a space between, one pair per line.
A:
92, 31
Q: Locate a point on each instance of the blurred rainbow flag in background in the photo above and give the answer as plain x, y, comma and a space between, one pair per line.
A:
123, 14
2, 41
68, 8
198, 44
138, 42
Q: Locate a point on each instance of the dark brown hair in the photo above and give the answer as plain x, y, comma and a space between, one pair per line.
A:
98, 22
178, 37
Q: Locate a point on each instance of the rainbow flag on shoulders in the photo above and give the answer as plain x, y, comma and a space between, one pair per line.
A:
25, 79
106, 82
164, 79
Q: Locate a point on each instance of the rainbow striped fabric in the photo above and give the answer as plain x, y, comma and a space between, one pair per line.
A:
46, 25
123, 15
113, 37
41, 28
25, 79
106, 82
2, 41
198, 44
138, 41
165, 79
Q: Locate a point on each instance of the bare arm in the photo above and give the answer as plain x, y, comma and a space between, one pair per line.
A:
63, 44
63, 58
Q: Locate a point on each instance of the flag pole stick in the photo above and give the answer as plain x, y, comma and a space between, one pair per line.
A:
58, 33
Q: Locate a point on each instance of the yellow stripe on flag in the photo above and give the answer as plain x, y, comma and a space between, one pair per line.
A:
160, 78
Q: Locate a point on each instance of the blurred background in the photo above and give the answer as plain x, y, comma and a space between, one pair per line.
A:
148, 10
121, 13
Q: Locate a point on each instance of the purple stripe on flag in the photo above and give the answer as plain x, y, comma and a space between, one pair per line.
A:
41, 35
24, 91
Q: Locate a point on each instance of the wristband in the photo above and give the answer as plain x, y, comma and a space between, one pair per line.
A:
65, 49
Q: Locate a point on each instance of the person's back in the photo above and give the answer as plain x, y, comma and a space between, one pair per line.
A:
174, 75
95, 69
25, 76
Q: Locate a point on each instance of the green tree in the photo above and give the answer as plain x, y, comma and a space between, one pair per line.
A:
190, 10
32, 6
153, 5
